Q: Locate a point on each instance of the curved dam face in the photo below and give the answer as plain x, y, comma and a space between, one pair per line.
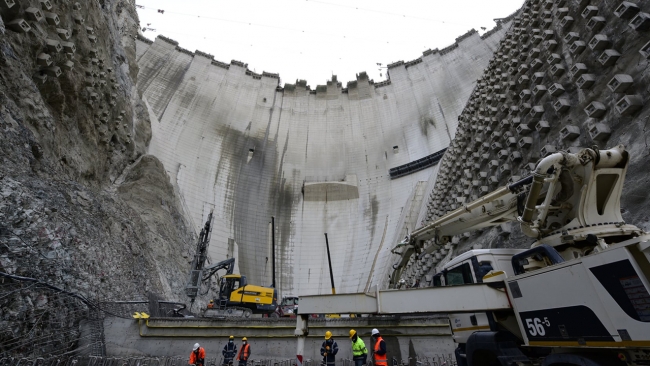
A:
235, 142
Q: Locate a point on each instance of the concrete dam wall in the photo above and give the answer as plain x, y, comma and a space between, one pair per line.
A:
235, 142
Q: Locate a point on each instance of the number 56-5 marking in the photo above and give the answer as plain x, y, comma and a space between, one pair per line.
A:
536, 326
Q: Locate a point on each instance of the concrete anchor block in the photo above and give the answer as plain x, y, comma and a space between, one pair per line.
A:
102, 75
515, 157
504, 169
599, 132
102, 82
595, 109
538, 77
524, 108
493, 164
620, 83
556, 89
79, 19
645, 51
596, 23
68, 65
53, 71
548, 35
43, 59
566, 22
523, 80
511, 141
90, 30
539, 90
52, 19
629, 104
522, 68
577, 47
525, 142
537, 111
46, 5
92, 39
537, 40
557, 70
547, 22
542, 127
495, 146
589, 11
76, 6
626, 10
550, 45
514, 109
561, 12
40, 78
548, 4
586, 81
561, 105
69, 47
90, 83
64, 34
34, 14
547, 150
53, 46
609, 57
534, 52
7, 4
640, 22
599, 42
577, 70
523, 129
19, 26
553, 59
525, 94
569, 132
493, 180
571, 37
536, 64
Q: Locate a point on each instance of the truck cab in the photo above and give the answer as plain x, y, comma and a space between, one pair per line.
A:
469, 268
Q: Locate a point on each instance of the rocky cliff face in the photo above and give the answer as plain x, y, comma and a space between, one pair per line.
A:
568, 74
81, 207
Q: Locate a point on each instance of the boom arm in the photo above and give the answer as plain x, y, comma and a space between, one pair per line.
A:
567, 192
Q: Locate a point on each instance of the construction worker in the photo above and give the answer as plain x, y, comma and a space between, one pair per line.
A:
244, 352
197, 357
359, 351
211, 304
329, 349
229, 351
379, 351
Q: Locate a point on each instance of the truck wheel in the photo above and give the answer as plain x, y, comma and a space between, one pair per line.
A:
274, 315
247, 313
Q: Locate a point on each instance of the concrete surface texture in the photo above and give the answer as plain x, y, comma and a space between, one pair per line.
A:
568, 74
421, 337
237, 143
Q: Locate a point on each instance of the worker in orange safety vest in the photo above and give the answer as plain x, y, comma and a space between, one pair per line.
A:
197, 357
379, 351
244, 352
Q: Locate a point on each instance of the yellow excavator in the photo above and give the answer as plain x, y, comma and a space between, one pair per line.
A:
236, 297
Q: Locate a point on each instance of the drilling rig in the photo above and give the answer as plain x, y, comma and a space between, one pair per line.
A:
236, 298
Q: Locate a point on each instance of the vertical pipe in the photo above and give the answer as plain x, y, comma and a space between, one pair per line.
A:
273, 250
329, 260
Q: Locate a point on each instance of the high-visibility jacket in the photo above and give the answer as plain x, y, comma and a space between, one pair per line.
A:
380, 352
244, 352
197, 357
358, 348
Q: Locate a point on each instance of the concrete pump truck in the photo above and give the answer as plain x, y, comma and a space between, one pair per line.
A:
579, 296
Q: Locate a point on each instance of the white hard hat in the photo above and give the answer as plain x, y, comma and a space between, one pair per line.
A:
196, 346
374, 331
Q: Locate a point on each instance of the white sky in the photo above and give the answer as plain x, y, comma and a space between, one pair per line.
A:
313, 39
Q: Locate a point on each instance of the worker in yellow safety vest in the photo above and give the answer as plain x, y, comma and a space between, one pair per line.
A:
359, 351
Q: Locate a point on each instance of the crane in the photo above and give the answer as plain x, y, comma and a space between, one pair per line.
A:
580, 295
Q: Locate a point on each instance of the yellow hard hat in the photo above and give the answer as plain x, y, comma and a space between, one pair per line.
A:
211, 301
231, 337
328, 335
352, 333
244, 339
